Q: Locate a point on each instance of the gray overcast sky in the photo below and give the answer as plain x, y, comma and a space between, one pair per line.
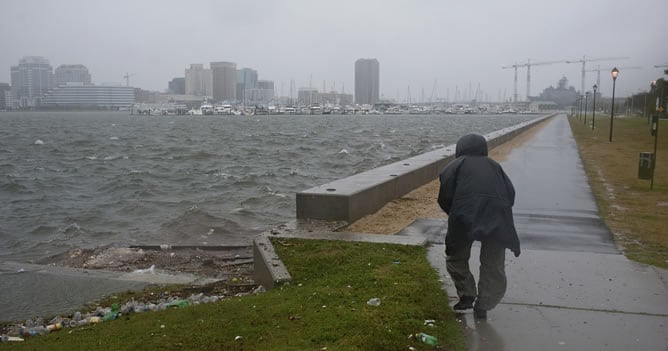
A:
453, 43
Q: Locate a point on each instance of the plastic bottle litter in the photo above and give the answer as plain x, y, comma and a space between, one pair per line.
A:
39, 330
373, 302
111, 315
5, 338
54, 327
427, 339
179, 303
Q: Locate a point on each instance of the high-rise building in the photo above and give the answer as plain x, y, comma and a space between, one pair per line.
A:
246, 79
4, 96
224, 81
367, 75
198, 80
72, 74
31, 80
177, 86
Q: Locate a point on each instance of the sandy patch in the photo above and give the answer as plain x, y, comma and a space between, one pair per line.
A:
421, 202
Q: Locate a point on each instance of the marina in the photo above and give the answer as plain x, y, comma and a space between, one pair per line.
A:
208, 109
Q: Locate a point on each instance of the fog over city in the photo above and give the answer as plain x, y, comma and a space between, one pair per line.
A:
430, 48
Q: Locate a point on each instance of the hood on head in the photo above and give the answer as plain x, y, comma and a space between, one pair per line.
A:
471, 145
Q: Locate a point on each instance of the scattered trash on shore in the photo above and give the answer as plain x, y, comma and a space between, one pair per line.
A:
35, 327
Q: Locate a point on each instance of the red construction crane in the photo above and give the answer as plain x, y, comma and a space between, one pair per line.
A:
584, 61
528, 65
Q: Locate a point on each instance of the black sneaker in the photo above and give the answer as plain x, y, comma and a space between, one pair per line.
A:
479, 314
465, 303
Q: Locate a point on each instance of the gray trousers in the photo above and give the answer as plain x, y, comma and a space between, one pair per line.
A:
492, 280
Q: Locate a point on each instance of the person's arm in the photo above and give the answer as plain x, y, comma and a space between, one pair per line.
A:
448, 178
510, 189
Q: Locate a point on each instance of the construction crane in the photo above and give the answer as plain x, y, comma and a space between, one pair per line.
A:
127, 78
528, 65
584, 61
515, 66
598, 72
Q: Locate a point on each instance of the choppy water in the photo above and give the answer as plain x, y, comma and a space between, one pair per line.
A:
85, 179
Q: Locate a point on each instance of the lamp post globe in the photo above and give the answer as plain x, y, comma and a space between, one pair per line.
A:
614, 73
593, 108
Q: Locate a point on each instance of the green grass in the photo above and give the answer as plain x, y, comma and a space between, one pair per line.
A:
636, 215
324, 307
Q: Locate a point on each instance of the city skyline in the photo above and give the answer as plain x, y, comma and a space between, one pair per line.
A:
430, 48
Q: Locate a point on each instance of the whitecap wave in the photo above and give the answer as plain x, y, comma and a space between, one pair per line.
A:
38, 142
344, 151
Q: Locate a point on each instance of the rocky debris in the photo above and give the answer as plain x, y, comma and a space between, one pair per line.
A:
217, 262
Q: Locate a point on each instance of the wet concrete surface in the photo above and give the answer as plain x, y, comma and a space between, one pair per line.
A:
570, 289
539, 232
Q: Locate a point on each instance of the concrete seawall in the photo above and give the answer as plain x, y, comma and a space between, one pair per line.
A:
354, 197
351, 198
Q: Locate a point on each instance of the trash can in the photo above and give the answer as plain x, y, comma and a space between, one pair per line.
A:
645, 165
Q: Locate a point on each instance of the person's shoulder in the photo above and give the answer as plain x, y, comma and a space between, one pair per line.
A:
453, 164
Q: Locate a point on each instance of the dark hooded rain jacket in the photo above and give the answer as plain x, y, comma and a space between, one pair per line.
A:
478, 197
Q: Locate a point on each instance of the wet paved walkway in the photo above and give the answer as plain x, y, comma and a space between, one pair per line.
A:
570, 289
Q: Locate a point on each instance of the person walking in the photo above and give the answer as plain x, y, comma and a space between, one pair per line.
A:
478, 197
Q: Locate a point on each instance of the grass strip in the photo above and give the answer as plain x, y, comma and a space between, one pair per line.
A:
636, 215
324, 308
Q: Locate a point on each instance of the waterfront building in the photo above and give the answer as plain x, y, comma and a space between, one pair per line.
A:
308, 96
224, 81
246, 79
146, 96
72, 74
367, 81
31, 80
5, 96
78, 95
263, 92
198, 80
177, 86
335, 98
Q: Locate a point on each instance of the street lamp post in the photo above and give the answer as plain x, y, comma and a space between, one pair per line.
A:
614, 73
586, 98
593, 108
644, 109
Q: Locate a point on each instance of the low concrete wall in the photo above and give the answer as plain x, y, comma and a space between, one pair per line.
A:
268, 269
354, 197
